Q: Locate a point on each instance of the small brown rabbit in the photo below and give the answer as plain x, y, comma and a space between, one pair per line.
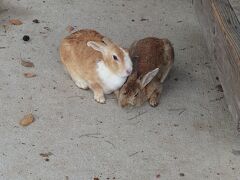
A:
152, 60
94, 61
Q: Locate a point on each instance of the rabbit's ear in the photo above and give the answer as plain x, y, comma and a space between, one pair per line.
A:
107, 41
148, 77
98, 46
126, 49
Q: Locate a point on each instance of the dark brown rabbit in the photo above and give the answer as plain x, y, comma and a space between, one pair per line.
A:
152, 60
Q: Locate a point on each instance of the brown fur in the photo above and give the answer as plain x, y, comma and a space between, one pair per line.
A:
147, 54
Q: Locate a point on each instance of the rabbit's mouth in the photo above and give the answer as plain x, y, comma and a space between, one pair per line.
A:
126, 73
124, 105
127, 104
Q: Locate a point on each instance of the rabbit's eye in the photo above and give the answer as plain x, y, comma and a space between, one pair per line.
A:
115, 58
125, 92
136, 94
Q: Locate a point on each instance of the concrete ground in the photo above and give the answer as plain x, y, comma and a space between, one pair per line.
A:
190, 135
236, 6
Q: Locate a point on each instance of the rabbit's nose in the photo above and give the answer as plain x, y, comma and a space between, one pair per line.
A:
122, 104
129, 71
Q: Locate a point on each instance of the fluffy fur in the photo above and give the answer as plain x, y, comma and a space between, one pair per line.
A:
110, 80
94, 61
152, 61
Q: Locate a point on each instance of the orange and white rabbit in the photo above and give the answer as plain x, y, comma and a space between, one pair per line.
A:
94, 61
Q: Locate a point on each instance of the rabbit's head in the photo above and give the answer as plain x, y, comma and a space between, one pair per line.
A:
114, 57
133, 92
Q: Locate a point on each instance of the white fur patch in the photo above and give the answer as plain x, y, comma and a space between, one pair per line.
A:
111, 81
127, 60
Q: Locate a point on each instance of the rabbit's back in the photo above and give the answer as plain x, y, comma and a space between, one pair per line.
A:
150, 53
75, 52
84, 35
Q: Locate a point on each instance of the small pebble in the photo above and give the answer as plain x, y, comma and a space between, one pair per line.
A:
70, 29
182, 174
219, 88
36, 21
26, 38
144, 19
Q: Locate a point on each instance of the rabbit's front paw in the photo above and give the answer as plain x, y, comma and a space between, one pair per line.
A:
99, 99
153, 102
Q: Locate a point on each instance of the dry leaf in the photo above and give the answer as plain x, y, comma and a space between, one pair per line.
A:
29, 75
15, 22
26, 120
27, 63
70, 29
46, 154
